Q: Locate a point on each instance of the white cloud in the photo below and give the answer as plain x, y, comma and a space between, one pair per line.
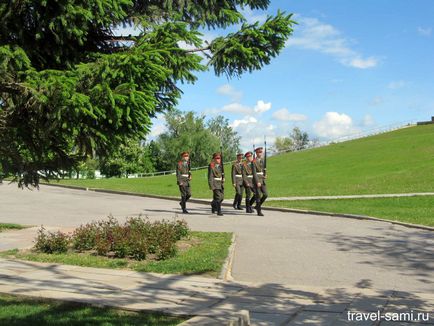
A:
285, 115
237, 108
368, 121
262, 107
245, 121
362, 63
334, 125
252, 131
397, 84
312, 34
232, 93
427, 31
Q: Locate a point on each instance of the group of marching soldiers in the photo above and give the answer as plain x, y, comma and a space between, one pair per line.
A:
248, 175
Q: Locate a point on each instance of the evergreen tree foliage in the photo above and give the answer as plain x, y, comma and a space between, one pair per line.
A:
70, 88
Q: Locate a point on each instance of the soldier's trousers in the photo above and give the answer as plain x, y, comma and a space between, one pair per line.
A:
260, 194
217, 198
185, 193
249, 192
239, 189
218, 195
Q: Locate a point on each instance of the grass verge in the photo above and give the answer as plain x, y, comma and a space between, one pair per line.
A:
10, 226
205, 255
395, 162
18, 310
416, 210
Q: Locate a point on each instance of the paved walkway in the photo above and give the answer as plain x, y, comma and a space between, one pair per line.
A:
354, 196
312, 255
290, 248
212, 300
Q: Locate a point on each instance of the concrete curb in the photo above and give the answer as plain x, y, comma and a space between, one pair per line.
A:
353, 216
277, 209
226, 273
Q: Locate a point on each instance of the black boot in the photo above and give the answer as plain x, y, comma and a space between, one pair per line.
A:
213, 207
259, 210
240, 198
219, 209
234, 205
252, 200
248, 207
183, 206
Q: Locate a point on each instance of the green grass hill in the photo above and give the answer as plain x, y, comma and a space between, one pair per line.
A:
395, 162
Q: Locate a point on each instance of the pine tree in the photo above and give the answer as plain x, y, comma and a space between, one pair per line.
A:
70, 88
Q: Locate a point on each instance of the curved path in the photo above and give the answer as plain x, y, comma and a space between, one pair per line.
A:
297, 249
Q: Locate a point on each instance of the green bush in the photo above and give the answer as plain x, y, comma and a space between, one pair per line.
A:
139, 244
136, 238
84, 237
181, 229
105, 235
51, 242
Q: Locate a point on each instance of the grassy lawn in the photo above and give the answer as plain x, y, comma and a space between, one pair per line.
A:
18, 310
416, 210
396, 162
205, 256
10, 226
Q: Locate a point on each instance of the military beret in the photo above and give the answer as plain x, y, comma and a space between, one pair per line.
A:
216, 155
248, 154
240, 154
185, 154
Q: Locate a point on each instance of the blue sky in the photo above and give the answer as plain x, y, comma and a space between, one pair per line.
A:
350, 67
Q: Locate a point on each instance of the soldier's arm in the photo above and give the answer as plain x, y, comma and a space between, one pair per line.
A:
244, 174
233, 174
178, 175
210, 177
255, 175
188, 170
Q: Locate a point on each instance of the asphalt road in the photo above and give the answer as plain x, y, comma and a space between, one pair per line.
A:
280, 247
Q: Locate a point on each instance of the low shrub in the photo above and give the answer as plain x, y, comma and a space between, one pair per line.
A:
136, 238
139, 244
51, 242
84, 237
181, 229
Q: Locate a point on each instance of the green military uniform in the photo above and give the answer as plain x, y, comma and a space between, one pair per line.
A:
183, 176
247, 173
259, 177
216, 184
237, 181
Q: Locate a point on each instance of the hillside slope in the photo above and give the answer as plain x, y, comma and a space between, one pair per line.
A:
396, 162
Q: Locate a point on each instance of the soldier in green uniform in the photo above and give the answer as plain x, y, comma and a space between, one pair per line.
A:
183, 177
259, 184
237, 181
247, 172
216, 183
